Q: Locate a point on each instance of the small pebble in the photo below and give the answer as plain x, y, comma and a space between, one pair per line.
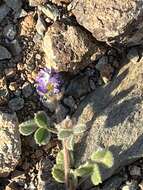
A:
16, 104
13, 86
9, 31
130, 186
51, 11
41, 26
135, 171
27, 89
38, 56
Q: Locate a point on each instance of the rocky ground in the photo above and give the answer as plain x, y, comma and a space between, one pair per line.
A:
100, 59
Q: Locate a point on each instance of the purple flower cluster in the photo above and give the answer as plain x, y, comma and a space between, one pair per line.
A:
48, 82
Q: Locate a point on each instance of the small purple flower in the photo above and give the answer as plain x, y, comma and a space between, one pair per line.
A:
48, 82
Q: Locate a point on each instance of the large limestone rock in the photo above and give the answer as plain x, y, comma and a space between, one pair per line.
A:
10, 144
111, 20
114, 118
70, 48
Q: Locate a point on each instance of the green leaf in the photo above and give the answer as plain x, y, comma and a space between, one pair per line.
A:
42, 136
70, 142
64, 133
96, 175
73, 177
41, 119
58, 174
60, 158
84, 170
78, 129
103, 156
28, 127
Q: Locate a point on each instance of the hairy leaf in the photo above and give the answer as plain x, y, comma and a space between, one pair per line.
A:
60, 158
70, 142
41, 119
58, 174
64, 133
78, 129
84, 170
42, 136
96, 175
103, 156
28, 127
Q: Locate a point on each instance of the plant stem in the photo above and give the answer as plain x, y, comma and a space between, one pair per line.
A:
67, 162
66, 165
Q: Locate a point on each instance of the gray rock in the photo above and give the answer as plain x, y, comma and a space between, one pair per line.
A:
45, 180
16, 104
14, 4
78, 87
133, 55
70, 48
113, 21
14, 47
10, 143
60, 113
113, 115
111, 184
4, 9
102, 61
10, 31
27, 89
70, 102
4, 53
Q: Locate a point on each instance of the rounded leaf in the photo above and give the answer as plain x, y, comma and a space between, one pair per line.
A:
84, 170
58, 174
41, 119
64, 133
80, 128
70, 142
103, 156
28, 127
60, 158
42, 136
96, 175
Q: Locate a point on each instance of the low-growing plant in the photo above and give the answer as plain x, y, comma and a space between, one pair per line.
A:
64, 170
